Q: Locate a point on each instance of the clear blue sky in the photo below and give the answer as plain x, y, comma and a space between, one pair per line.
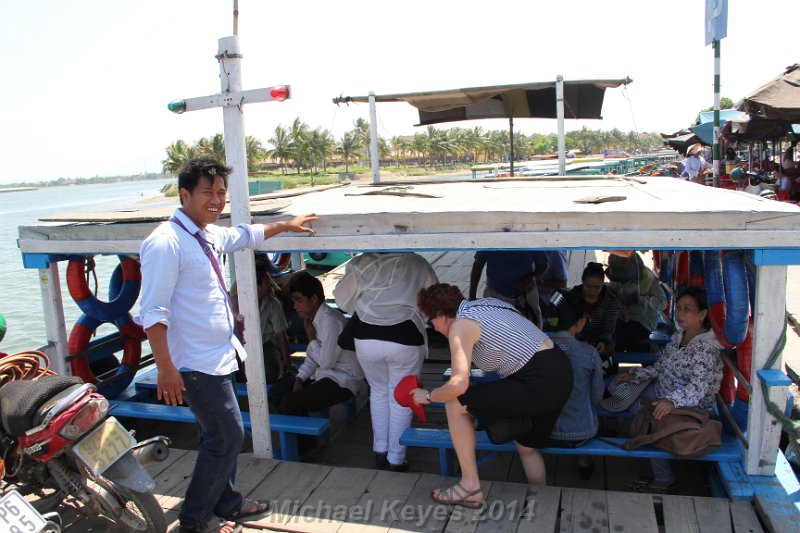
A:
86, 83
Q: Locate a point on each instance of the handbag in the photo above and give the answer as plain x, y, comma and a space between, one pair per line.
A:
685, 432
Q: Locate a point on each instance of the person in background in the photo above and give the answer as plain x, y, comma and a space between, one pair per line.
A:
380, 291
275, 344
600, 307
329, 375
553, 279
577, 422
189, 321
523, 405
786, 180
640, 296
688, 374
511, 276
695, 165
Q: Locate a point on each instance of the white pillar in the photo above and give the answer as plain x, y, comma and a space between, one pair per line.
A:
373, 139
54, 323
769, 319
562, 161
236, 158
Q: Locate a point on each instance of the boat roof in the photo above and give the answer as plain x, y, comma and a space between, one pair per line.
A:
589, 212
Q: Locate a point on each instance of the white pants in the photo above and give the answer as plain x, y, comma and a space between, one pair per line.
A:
385, 364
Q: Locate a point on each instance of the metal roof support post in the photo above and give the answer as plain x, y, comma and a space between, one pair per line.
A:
236, 157
373, 139
562, 162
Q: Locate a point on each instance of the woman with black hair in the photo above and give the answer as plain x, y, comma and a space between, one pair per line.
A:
600, 307
688, 374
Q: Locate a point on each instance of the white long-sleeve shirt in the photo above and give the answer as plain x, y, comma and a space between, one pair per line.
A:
324, 357
181, 290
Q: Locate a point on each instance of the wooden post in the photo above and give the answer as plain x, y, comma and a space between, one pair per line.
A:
236, 157
562, 159
54, 323
373, 139
769, 317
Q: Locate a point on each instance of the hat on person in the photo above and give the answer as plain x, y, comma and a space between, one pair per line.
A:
402, 394
696, 148
622, 394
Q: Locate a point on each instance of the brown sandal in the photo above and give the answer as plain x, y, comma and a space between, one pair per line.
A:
449, 496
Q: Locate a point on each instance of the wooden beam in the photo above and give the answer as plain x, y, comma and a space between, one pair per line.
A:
769, 318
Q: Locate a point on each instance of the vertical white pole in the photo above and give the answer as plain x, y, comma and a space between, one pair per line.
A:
54, 323
562, 161
236, 157
769, 319
373, 139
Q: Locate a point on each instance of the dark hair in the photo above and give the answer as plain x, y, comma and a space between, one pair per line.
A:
201, 167
307, 285
594, 270
440, 299
261, 275
569, 311
698, 294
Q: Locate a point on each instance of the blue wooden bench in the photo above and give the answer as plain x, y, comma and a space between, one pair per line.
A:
146, 384
728, 457
287, 427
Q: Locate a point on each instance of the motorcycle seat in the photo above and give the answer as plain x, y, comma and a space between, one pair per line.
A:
20, 400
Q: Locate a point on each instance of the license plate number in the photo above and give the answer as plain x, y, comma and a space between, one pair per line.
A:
17, 515
103, 446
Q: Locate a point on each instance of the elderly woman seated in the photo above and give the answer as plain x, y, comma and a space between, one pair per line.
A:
536, 380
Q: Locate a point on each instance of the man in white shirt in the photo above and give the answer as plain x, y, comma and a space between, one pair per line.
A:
329, 375
186, 312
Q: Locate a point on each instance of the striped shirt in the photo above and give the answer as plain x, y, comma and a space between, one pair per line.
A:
508, 340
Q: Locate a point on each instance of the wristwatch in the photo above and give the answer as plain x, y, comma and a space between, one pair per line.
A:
428, 396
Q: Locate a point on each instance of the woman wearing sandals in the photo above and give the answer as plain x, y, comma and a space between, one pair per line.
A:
688, 374
536, 380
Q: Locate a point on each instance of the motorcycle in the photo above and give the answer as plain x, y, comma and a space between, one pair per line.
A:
56, 434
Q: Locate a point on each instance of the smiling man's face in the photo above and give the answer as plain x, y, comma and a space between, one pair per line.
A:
205, 203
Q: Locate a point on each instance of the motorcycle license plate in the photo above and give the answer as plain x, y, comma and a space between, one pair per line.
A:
103, 446
16, 514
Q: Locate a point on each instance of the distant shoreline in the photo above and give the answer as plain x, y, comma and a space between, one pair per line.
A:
18, 189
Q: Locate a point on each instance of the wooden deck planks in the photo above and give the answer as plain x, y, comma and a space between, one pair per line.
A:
630, 511
505, 507
713, 515
421, 513
542, 507
679, 514
584, 510
744, 518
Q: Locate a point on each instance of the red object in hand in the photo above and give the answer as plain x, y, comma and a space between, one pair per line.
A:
402, 394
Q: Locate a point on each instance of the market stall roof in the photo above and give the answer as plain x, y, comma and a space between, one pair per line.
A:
582, 99
778, 100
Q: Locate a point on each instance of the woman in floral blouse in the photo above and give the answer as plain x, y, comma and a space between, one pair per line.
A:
687, 374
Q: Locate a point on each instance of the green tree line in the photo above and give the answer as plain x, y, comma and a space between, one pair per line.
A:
298, 147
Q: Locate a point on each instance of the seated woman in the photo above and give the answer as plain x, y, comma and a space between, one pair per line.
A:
688, 374
577, 422
640, 296
536, 380
601, 308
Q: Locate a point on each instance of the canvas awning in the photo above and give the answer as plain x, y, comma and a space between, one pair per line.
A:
777, 100
582, 99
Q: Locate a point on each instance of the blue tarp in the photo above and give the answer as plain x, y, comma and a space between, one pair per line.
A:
705, 130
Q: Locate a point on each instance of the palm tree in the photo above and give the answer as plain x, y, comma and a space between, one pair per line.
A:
177, 154
281, 147
400, 146
217, 147
419, 145
254, 150
347, 147
363, 137
299, 143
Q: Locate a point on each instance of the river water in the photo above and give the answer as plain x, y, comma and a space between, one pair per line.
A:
20, 295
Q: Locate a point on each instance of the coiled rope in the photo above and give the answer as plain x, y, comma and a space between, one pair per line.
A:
30, 364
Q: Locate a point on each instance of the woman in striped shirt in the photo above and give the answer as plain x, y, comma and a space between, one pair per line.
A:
523, 405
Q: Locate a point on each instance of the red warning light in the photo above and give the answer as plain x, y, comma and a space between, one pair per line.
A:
279, 93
